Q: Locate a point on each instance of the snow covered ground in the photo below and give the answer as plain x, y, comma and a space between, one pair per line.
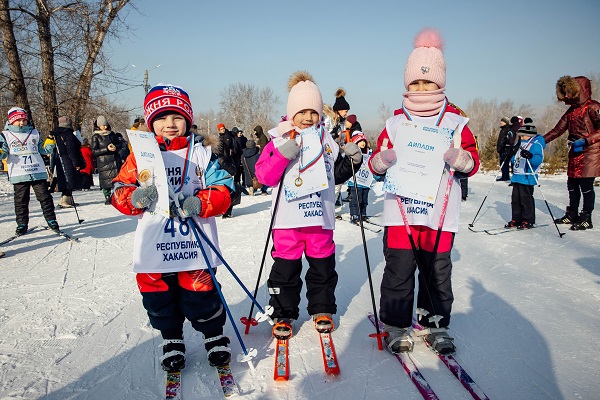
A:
525, 318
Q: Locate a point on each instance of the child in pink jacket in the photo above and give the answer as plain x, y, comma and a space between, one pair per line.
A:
303, 225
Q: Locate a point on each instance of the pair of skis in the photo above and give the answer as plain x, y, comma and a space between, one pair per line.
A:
369, 225
57, 231
449, 361
282, 365
500, 231
228, 385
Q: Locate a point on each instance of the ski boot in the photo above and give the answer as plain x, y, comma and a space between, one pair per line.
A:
217, 351
512, 224
398, 340
354, 220
21, 229
440, 341
525, 225
583, 222
173, 358
52, 224
323, 322
570, 217
282, 330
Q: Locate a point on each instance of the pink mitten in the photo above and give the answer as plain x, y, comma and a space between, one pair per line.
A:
383, 160
459, 159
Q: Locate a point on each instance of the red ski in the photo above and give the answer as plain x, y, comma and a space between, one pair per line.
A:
329, 358
282, 366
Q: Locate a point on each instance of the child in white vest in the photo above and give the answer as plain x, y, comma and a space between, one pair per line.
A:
304, 224
424, 103
21, 144
171, 272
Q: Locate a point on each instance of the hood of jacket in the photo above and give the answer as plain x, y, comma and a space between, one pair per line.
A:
573, 91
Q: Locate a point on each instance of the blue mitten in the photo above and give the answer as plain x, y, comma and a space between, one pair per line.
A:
579, 145
144, 197
191, 206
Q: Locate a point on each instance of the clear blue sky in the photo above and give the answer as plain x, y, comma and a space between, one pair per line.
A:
494, 49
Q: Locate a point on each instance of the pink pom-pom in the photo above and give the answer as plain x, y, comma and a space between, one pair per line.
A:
429, 38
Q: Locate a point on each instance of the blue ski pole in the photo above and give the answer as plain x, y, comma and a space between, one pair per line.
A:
248, 355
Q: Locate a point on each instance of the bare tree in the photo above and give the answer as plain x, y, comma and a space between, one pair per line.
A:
246, 106
63, 49
16, 82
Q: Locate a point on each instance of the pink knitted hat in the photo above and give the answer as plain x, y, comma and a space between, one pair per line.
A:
304, 95
426, 61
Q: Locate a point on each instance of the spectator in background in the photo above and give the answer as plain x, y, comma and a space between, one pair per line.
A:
502, 147
226, 161
582, 120
87, 172
261, 138
239, 144
68, 161
105, 148
341, 109
249, 158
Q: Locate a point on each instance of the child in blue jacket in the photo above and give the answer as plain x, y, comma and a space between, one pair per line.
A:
527, 161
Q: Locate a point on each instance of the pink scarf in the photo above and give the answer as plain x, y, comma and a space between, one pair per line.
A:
424, 104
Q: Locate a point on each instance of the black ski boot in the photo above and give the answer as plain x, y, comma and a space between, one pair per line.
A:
52, 224
570, 217
21, 229
217, 351
173, 358
583, 222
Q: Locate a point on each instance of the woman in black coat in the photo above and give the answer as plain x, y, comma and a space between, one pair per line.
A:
250, 156
68, 160
106, 146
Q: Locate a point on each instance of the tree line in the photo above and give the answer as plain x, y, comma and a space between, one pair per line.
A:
52, 62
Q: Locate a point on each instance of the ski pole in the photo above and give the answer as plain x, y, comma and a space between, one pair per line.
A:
560, 234
67, 181
249, 320
248, 354
456, 139
265, 314
379, 334
488, 192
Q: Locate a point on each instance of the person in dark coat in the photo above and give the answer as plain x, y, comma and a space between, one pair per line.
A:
249, 158
105, 148
502, 146
261, 138
68, 161
239, 141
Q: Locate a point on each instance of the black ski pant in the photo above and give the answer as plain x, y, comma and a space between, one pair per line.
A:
42, 194
522, 203
505, 165
464, 188
285, 285
398, 287
170, 298
579, 187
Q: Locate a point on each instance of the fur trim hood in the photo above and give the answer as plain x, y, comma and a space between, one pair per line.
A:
573, 91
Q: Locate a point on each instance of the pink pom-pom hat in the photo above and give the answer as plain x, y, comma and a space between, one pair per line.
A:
427, 60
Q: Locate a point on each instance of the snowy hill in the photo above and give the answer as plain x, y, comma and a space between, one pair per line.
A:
525, 317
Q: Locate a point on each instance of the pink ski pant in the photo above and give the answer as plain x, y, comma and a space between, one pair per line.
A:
314, 241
